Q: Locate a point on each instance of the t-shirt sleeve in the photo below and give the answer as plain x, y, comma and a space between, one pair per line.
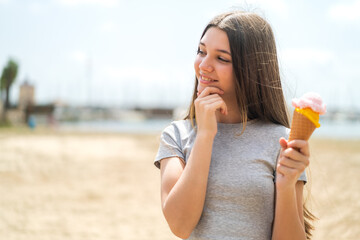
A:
170, 145
303, 177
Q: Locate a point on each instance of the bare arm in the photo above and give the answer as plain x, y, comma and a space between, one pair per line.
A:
289, 220
183, 189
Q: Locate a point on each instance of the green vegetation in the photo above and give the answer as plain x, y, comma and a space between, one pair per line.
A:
8, 77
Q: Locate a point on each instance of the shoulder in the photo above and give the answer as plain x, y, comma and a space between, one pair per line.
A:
179, 127
267, 135
269, 129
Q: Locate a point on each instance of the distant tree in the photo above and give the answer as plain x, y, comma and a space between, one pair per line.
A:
8, 76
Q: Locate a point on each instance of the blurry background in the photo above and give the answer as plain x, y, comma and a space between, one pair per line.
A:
87, 86
131, 60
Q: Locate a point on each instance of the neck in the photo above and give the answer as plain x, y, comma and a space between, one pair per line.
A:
234, 116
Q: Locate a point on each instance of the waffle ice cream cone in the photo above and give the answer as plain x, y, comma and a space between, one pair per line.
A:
301, 127
306, 116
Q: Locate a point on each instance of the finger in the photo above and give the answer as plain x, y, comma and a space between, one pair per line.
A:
210, 90
302, 145
295, 155
221, 105
207, 101
283, 143
290, 163
210, 99
203, 100
286, 171
212, 96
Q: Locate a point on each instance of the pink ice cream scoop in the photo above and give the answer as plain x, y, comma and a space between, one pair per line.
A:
310, 100
306, 116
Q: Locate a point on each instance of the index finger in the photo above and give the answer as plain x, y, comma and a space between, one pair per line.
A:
210, 90
301, 145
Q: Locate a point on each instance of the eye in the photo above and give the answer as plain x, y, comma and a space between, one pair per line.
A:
199, 52
223, 59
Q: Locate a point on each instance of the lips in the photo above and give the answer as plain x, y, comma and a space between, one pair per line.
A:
206, 80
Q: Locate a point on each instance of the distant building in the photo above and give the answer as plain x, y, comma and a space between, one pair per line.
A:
26, 96
27, 109
43, 114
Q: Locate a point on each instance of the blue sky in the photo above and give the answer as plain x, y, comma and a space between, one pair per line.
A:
141, 53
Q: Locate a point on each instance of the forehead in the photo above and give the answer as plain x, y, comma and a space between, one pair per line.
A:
216, 38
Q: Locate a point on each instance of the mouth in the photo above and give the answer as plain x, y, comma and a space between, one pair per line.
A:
206, 80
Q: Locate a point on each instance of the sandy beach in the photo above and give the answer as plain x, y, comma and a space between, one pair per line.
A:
67, 185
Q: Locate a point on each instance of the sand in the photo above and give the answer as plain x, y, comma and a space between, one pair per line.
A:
58, 185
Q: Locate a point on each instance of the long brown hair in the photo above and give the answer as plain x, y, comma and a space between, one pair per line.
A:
258, 87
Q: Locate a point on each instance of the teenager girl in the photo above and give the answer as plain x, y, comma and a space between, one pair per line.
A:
227, 171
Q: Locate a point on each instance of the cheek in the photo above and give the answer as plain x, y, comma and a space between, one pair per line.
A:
196, 64
228, 74
228, 79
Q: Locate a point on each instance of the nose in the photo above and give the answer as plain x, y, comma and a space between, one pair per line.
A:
205, 65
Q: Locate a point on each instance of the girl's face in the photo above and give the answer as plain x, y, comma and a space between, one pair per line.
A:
213, 64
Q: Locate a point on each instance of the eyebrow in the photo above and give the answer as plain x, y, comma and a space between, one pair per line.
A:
219, 50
